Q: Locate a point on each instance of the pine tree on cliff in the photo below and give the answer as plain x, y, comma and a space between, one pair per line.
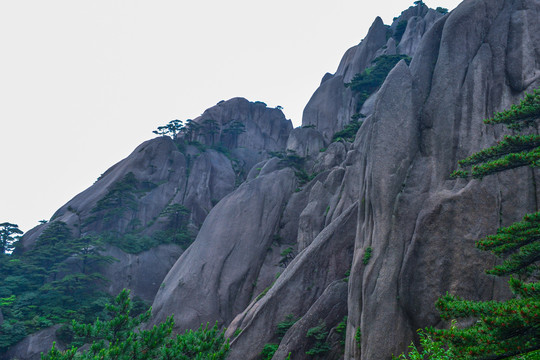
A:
503, 328
122, 338
8, 236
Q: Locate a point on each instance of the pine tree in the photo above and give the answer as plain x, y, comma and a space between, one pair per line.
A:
211, 129
503, 328
122, 337
171, 129
8, 236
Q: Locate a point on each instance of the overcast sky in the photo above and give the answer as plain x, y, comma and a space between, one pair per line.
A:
82, 83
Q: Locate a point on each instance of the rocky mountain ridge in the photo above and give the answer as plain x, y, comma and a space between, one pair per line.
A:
290, 225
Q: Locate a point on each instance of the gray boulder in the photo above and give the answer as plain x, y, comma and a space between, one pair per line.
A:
215, 278
305, 141
332, 105
142, 273
33, 345
329, 310
266, 129
420, 223
300, 285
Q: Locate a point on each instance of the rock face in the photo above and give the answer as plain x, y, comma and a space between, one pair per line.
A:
32, 346
374, 229
142, 273
295, 292
129, 199
265, 128
332, 105
215, 278
420, 223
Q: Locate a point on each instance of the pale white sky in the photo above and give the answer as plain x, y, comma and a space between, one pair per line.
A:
82, 83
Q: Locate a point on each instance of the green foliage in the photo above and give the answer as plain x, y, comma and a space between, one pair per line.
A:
171, 129
441, 10
130, 243
54, 281
8, 236
278, 154
503, 328
268, 351
291, 159
512, 151
266, 289
349, 132
341, 330
400, 30
367, 82
133, 242
120, 197
318, 335
191, 130
519, 116
211, 128
430, 349
358, 338
367, 255
177, 231
285, 325
286, 256
122, 337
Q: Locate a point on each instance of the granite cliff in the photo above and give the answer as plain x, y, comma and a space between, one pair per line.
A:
288, 224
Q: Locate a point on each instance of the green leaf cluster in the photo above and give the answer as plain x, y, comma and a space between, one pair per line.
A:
55, 281
9, 235
503, 329
120, 197
430, 349
349, 132
285, 325
513, 150
318, 334
122, 338
367, 82
341, 330
400, 30
367, 255
269, 350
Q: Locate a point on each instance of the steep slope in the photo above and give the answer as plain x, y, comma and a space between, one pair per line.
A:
332, 105
418, 224
148, 208
130, 198
373, 228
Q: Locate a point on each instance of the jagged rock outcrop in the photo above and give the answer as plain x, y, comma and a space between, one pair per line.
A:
266, 129
297, 289
141, 273
130, 197
329, 310
33, 345
420, 223
305, 141
419, 20
382, 208
215, 278
332, 105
